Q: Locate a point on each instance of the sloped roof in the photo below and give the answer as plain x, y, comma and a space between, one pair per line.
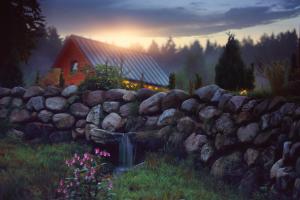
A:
134, 64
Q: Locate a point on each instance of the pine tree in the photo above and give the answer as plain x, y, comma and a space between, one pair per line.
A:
198, 81
172, 81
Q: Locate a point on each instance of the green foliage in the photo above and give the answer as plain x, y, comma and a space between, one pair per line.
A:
61, 81
231, 72
103, 77
172, 81
29, 171
163, 178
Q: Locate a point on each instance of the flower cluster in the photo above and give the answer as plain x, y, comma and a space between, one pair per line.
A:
85, 178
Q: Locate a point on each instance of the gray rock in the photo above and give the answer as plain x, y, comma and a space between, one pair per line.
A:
265, 137
94, 115
17, 102
18, 91
104, 137
144, 93
112, 122
276, 169
236, 102
174, 99
297, 111
248, 133
267, 157
78, 133
225, 124
250, 182
223, 100
80, 123
52, 91
294, 150
207, 152
14, 133
217, 95
190, 105
244, 117
152, 104
296, 192
288, 109
186, 125
168, 117
93, 98
130, 96
229, 167
63, 120
45, 116
276, 102
225, 141
207, 92
56, 103
127, 109
73, 99
89, 128
261, 107
69, 91
3, 112
194, 142
4, 92
248, 107
151, 121
5, 101
79, 110
208, 113
36, 103
251, 156
19, 116
60, 136
33, 91
115, 94
111, 106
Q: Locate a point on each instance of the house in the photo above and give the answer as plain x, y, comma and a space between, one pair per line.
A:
79, 52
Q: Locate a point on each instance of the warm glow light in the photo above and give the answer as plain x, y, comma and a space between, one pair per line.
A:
244, 92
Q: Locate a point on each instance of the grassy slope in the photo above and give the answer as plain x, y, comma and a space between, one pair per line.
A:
32, 171
159, 179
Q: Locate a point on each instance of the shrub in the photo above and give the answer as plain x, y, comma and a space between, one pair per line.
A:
102, 77
276, 74
86, 178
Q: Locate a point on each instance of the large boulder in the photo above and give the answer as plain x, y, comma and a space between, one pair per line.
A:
223, 100
69, 91
115, 94
112, 122
168, 117
4, 92
19, 116
207, 152
236, 103
225, 124
190, 106
217, 96
93, 98
174, 99
208, 113
18, 91
186, 125
80, 123
79, 110
144, 93
94, 115
194, 142
207, 92
229, 167
127, 109
89, 128
249, 106
33, 91
63, 120
111, 106
56, 103
251, 156
130, 96
45, 116
152, 104
248, 133
51, 91
36, 103
104, 137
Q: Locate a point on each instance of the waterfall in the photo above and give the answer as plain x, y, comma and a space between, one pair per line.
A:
126, 156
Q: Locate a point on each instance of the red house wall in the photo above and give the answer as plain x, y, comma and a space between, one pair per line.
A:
70, 53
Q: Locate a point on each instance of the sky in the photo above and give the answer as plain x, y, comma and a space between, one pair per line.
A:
126, 22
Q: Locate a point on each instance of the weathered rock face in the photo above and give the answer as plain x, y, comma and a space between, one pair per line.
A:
173, 99
225, 141
248, 133
115, 94
36, 103
80, 123
69, 91
208, 113
33, 91
186, 125
235, 103
251, 156
151, 121
63, 120
17, 102
94, 115
194, 142
52, 91
168, 117
228, 167
79, 110
56, 104
130, 96
152, 104
5, 101
112, 122
4, 92
206, 93
207, 152
190, 105
111, 106
17, 91
144, 93
45, 116
19, 116
225, 124
127, 109
94, 98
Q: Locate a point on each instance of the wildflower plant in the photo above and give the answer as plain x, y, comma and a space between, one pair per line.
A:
86, 177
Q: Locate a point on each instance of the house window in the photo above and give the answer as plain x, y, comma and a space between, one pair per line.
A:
74, 67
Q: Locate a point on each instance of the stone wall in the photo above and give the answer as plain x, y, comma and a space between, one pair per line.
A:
252, 142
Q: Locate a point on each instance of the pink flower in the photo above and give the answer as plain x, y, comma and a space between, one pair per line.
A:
97, 151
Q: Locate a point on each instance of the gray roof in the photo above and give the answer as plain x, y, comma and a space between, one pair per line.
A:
133, 63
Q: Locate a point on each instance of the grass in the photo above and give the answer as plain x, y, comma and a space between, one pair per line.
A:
163, 179
32, 171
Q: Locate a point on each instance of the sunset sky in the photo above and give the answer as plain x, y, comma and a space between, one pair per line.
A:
125, 22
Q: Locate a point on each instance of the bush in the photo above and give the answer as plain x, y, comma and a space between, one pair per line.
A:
276, 74
102, 77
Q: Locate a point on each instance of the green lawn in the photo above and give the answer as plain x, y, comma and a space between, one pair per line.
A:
160, 179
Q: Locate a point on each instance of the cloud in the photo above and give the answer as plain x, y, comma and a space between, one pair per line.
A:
176, 21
